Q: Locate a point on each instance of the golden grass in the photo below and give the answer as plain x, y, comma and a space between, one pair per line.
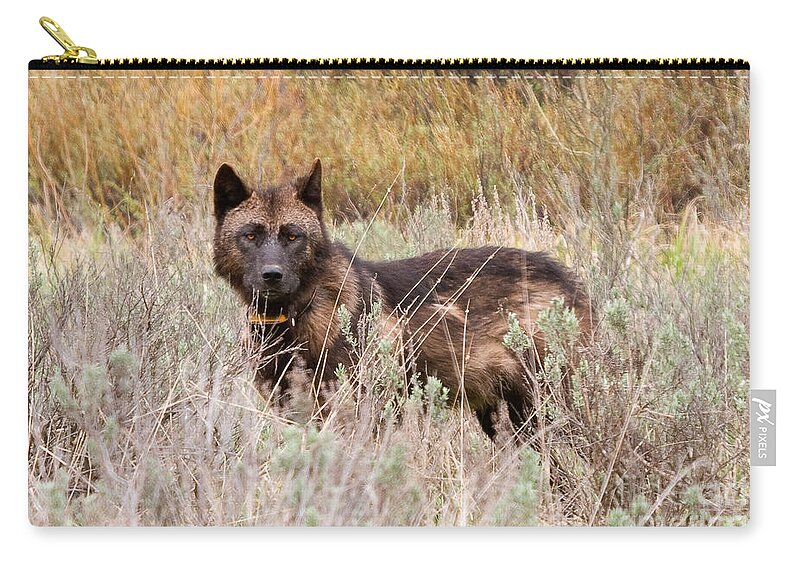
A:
130, 143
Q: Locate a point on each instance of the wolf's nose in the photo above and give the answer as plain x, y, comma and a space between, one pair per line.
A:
272, 274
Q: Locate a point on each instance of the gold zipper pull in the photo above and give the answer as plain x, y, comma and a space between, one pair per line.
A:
72, 52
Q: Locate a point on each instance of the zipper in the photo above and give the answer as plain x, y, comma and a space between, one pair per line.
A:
79, 57
72, 52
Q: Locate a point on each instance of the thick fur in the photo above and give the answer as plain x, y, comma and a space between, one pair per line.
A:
452, 305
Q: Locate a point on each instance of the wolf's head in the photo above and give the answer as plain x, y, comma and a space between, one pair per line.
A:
269, 242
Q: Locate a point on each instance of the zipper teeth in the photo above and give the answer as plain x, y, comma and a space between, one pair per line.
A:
391, 63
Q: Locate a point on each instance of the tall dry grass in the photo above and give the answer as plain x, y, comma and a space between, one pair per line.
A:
142, 406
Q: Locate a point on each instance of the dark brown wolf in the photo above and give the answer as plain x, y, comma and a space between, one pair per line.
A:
453, 305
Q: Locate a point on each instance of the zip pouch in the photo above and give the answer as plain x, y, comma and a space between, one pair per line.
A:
388, 292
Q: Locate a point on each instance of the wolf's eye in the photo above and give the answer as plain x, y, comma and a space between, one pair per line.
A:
291, 237
250, 236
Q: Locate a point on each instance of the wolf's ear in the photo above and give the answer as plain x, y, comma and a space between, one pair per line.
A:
310, 192
229, 191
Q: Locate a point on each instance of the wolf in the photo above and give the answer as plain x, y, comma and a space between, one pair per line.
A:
452, 306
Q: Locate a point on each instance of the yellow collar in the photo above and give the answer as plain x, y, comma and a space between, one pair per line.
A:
256, 319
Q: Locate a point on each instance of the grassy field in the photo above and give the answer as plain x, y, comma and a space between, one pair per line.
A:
142, 408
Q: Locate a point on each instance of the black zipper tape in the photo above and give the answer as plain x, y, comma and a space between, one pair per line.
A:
599, 64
